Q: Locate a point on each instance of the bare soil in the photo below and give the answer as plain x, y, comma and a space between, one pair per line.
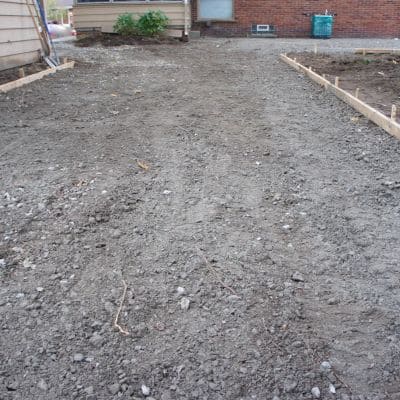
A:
12, 74
377, 76
255, 224
111, 39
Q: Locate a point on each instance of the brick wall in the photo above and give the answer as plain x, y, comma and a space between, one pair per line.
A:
355, 18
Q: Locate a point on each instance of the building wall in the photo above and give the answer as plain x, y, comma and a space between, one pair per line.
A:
90, 16
355, 18
19, 41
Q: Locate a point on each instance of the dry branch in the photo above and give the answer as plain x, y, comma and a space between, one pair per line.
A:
212, 269
116, 324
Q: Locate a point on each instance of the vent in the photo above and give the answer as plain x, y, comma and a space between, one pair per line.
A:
262, 29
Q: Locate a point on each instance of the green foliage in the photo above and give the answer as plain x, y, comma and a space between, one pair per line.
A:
126, 25
152, 23
53, 13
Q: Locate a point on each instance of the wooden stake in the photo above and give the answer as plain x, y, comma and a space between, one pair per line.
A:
394, 112
64, 60
21, 73
310, 68
357, 93
315, 48
337, 81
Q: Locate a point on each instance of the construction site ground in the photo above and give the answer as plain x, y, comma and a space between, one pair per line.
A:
253, 217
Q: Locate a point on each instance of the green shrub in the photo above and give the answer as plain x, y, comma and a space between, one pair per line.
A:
152, 23
126, 25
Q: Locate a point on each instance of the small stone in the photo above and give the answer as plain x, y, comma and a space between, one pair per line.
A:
2, 263
116, 234
316, 393
297, 277
145, 390
39, 289
180, 290
185, 303
96, 340
42, 385
326, 366
289, 386
89, 390
114, 388
332, 388
78, 357
333, 301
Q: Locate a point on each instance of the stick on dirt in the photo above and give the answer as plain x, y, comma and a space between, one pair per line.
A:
212, 269
116, 324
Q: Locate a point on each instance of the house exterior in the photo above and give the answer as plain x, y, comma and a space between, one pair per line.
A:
292, 18
101, 15
19, 39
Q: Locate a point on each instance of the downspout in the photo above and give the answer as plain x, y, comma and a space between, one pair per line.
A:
186, 28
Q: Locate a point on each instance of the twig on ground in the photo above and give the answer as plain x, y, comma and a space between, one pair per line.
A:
116, 324
212, 269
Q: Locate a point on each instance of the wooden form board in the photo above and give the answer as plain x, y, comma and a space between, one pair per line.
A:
371, 113
34, 77
377, 51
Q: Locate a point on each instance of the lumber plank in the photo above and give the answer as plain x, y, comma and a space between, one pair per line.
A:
369, 112
377, 51
34, 77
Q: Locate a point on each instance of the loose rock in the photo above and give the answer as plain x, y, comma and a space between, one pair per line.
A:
297, 277
185, 303
316, 392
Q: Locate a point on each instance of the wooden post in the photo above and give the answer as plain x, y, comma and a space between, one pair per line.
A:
21, 72
337, 81
315, 48
310, 68
394, 112
364, 52
357, 93
64, 60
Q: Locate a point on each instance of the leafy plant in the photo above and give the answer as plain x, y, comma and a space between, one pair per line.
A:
152, 23
126, 25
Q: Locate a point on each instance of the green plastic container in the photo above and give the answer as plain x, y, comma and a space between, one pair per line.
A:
322, 26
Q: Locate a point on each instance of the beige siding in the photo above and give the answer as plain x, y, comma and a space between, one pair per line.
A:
19, 41
103, 16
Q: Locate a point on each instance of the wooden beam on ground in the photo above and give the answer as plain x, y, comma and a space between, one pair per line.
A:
6, 87
372, 114
377, 51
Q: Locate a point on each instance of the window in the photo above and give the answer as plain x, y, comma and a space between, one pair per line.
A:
221, 10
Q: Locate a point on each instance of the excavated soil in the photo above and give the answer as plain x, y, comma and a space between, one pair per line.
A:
376, 75
110, 39
255, 225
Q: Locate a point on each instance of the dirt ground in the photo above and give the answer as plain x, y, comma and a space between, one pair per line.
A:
260, 248
110, 39
377, 76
